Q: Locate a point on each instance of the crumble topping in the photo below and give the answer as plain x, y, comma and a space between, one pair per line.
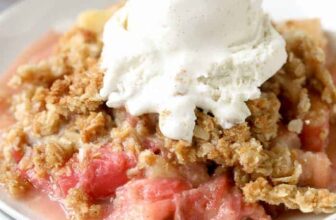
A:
79, 205
295, 125
265, 117
305, 199
13, 182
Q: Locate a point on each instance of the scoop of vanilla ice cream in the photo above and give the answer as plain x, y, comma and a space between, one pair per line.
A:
171, 56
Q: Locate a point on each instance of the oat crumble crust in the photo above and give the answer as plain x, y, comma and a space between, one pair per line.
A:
58, 113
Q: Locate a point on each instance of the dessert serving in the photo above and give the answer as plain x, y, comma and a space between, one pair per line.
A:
174, 109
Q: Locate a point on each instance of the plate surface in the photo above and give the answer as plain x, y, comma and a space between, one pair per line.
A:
26, 21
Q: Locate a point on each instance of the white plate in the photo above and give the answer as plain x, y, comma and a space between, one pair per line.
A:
29, 19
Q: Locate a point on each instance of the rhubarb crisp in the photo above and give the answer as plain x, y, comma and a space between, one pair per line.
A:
104, 163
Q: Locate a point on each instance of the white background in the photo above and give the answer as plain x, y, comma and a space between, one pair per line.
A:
5, 3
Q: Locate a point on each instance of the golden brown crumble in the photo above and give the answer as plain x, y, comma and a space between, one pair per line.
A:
303, 198
265, 117
14, 140
295, 125
155, 166
93, 126
51, 156
47, 122
311, 27
78, 204
13, 182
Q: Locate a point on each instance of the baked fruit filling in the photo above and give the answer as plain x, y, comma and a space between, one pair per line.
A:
59, 138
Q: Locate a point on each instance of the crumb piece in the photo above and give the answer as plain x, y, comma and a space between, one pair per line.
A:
304, 103
264, 117
50, 156
237, 134
155, 166
38, 161
295, 125
13, 182
201, 133
93, 126
285, 166
312, 27
278, 163
47, 122
303, 198
206, 127
40, 74
219, 147
183, 151
79, 206
15, 140
56, 155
